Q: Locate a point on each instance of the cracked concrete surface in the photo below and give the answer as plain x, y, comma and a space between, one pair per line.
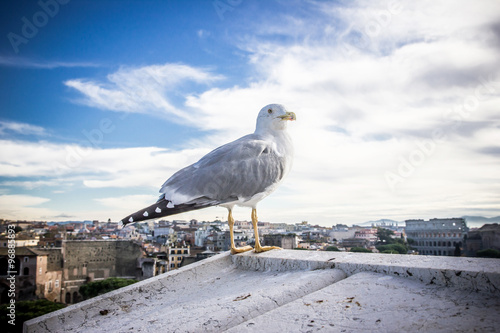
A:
373, 302
298, 291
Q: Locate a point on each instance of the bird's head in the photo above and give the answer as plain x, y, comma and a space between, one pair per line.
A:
274, 117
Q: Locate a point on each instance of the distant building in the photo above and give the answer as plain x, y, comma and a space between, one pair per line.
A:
176, 255
21, 241
438, 237
163, 228
243, 224
38, 275
356, 242
287, 241
486, 237
94, 260
224, 239
370, 234
200, 236
204, 255
152, 267
340, 232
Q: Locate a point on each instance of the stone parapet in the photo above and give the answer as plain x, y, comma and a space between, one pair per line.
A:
297, 291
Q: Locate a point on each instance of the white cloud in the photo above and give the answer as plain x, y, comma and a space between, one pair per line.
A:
119, 207
25, 206
10, 127
30, 184
148, 89
60, 163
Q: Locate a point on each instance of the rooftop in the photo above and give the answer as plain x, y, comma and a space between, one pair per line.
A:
298, 291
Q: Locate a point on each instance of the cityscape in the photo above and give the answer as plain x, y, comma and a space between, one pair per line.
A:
53, 260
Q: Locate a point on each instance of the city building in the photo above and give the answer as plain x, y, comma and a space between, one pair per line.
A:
37, 276
93, 260
285, 241
349, 243
370, 234
439, 237
484, 238
341, 232
176, 255
21, 241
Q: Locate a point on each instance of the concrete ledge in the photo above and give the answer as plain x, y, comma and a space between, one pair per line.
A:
373, 302
212, 295
242, 292
474, 274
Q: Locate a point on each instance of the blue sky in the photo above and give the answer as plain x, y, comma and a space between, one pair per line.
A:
397, 104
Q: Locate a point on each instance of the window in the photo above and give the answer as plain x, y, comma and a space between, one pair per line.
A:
56, 284
26, 259
40, 270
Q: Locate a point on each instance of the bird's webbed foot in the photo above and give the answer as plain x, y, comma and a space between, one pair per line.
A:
236, 250
259, 249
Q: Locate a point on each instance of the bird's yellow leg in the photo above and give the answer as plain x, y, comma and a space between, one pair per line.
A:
235, 249
258, 247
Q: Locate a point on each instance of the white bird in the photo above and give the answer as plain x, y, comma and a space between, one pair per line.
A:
242, 172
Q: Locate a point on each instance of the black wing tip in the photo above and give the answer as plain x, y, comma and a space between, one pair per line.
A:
160, 209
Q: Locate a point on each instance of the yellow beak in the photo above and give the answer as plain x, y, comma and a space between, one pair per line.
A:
288, 116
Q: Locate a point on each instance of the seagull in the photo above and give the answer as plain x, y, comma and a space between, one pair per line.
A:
242, 173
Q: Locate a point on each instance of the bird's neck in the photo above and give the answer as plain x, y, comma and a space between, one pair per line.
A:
280, 137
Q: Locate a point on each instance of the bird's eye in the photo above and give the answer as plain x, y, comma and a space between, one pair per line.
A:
270, 111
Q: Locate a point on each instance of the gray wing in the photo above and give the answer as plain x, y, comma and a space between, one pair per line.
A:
237, 170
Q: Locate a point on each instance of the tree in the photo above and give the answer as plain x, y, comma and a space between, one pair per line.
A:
384, 236
332, 248
26, 310
360, 249
93, 289
393, 248
488, 253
